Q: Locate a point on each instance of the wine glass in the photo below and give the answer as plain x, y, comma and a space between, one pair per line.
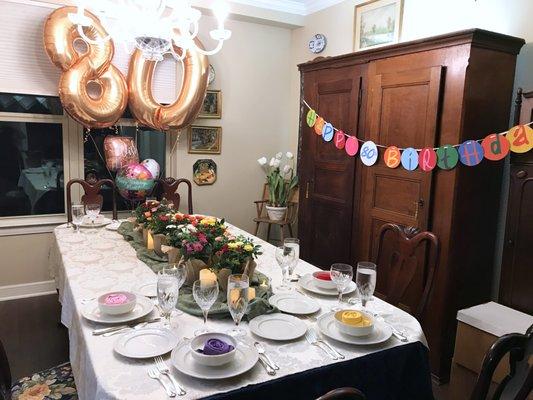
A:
366, 281
92, 210
284, 257
295, 244
238, 285
341, 275
205, 294
78, 212
180, 270
167, 292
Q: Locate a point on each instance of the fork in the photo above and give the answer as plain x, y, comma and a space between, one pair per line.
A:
163, 368
155, 374
320, 340
261, 350
313, 340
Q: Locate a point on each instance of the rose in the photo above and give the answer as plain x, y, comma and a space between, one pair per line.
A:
289, 155
214, 347
35, 392
262, 161
248, 247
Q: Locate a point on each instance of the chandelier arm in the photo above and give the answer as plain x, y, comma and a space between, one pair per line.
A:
210, 52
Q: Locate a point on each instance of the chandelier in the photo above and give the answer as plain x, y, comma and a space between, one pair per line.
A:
155, 27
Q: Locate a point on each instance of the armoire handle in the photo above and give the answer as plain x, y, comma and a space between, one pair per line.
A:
521, 174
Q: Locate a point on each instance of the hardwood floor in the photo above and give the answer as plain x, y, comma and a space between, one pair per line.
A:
32, 335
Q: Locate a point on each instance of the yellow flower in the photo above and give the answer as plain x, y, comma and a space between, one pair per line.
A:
248, 247
36, 392
232, 245
239, 244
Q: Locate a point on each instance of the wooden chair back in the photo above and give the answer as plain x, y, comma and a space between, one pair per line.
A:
405, 253
91, 187
5, 375
168, 188
519, 348
292, 206
345, 393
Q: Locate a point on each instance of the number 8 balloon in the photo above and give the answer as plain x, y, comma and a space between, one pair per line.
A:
81, 69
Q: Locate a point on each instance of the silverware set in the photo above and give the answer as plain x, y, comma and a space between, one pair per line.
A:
267, 362
160, 370
122, 328
314, 339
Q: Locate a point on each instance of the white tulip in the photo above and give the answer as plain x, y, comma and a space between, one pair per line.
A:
262, 161
279, 155
289, 155
272, 162
286, 169
276, 163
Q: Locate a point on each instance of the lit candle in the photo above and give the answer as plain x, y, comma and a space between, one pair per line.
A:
150, 241
264, 284
251, 293
207, 277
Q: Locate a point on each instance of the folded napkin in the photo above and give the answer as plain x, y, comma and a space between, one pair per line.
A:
215, 347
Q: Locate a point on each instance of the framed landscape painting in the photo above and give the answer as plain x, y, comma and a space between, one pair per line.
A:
377, 23
205, 139
212, 105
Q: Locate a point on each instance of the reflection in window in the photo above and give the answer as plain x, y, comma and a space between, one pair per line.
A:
31, 168
150, 144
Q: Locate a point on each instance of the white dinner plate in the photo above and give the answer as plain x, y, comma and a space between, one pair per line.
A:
146, 342
113, 226
294, 303
143, 307
245, 359
99, 222
147, 289
278, 326
307, 282
326, 325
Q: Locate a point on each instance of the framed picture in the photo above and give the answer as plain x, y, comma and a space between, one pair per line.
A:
377, 23
204, 172
212, 106
205, 139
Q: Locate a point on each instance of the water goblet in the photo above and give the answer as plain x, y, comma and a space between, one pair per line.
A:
366, 281
341, 275
78, 212
167, 293
295, 244
205, 294
284, 257
180, 270
238, 285
92, 210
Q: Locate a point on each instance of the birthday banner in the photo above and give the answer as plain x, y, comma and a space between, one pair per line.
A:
494, 147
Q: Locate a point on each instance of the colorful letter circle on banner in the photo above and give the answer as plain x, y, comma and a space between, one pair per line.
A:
409, 159
447, 157
311, 118
495, 147
319, 125
340, 140
369, 153
521, 138
427, 159
392, 157
327, 132
470, 153
351, 146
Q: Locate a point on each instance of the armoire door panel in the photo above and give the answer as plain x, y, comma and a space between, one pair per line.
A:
404, 109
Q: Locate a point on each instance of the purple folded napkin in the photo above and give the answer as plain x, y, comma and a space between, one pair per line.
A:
215, 347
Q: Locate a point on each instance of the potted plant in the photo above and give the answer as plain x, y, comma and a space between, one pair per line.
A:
281, 182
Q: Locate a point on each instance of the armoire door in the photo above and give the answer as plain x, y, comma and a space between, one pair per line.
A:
326, 173
403, 111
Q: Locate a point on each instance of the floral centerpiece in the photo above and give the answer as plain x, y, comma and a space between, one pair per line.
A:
281, 183
149, 216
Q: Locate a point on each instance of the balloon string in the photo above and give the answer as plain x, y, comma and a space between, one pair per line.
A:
399, 148
100, 155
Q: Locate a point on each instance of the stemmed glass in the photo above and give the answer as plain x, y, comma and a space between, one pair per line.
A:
92, 210
78, 212
341, 275
366, 281
238, 285
205, 294
284, 257
293, 243
180, 270
168, 288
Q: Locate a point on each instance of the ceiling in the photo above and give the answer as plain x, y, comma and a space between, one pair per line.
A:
300, 7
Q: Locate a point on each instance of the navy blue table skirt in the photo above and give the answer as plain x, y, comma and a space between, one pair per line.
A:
401, 372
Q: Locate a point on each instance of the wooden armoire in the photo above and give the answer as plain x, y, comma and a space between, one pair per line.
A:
425, 93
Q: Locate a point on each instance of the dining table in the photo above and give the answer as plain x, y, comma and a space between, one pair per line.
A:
95, 261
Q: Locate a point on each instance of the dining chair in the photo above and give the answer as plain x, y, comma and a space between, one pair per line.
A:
91, 187
518, 384
405, 255
54, 383
168, 189
288, 221
345, 393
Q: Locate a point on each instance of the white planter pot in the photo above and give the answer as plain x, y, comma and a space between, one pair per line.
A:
276, 213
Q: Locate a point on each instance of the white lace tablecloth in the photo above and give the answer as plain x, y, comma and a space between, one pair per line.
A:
90, 264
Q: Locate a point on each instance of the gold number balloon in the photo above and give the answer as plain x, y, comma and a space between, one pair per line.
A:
185, 109
81, 69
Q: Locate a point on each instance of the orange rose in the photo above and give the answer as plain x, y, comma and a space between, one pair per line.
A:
147, 214
36, 392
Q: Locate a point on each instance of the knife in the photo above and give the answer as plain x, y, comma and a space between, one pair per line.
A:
98, 332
